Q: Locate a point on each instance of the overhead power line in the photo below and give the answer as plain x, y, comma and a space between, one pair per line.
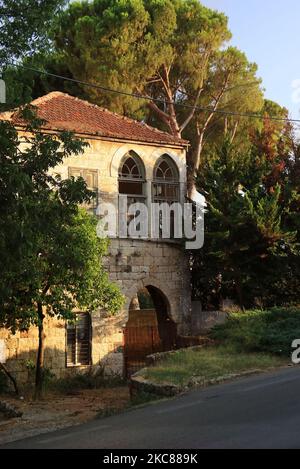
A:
157, 100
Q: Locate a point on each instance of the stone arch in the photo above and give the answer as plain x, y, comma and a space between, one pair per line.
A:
149, 328
171, 168
119, 155
177, 161
166, 325
164, 291
174, 309
159, 298
138, 164
139, 285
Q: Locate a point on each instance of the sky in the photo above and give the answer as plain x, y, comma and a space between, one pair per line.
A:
268, 31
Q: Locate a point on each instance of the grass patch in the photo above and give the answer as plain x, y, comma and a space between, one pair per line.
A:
248, 341
209, 363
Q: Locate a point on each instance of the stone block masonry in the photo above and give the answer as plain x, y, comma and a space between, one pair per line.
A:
132, 264
163, 265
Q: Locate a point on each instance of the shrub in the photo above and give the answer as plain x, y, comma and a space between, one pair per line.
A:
88, 380
270, 331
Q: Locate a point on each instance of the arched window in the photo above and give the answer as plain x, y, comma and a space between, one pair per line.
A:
165, 181
132, 184
132, 177
165, 190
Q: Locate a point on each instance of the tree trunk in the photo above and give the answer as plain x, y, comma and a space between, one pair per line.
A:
40, 355
193, 165
201, 129
10, 376
198, 152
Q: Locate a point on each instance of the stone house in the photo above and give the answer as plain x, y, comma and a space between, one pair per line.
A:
123, 157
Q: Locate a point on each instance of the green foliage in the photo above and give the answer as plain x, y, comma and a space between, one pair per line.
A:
130, 46
172, 50
105, 39
251, 239
30, 365
24, 85
47, 377
231, 85
24, 26
50, 254
270, 331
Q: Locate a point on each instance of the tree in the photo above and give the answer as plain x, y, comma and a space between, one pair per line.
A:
232, 86
274, 139
24, 26
50, 254
177, 63
248, 240
130, 46
23, 84
103, 42
181, 76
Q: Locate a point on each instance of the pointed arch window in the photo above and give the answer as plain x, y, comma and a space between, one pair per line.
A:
165, 190
132, 184
165, 181
132, 177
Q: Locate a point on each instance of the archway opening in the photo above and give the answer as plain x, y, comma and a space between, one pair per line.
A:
166, 326
149, 328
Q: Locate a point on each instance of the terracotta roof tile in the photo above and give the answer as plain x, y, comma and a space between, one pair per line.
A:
64, 112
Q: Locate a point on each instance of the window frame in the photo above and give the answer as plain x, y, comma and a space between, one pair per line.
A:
92, 206
166, 184
68, 327
141, 179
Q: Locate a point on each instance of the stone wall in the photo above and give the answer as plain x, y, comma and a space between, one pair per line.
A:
105, 157
107, 348
21, 350
132, 264
203, 321
107, 342
136, 264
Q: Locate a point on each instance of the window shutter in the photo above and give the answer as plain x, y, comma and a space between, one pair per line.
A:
78, 347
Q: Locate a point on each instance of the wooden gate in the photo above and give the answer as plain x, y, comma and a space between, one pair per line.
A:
141, 338
143, 335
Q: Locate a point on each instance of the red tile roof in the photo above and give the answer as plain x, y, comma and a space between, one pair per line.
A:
64, 112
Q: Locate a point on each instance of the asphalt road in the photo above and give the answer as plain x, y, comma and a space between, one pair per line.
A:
256, 412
